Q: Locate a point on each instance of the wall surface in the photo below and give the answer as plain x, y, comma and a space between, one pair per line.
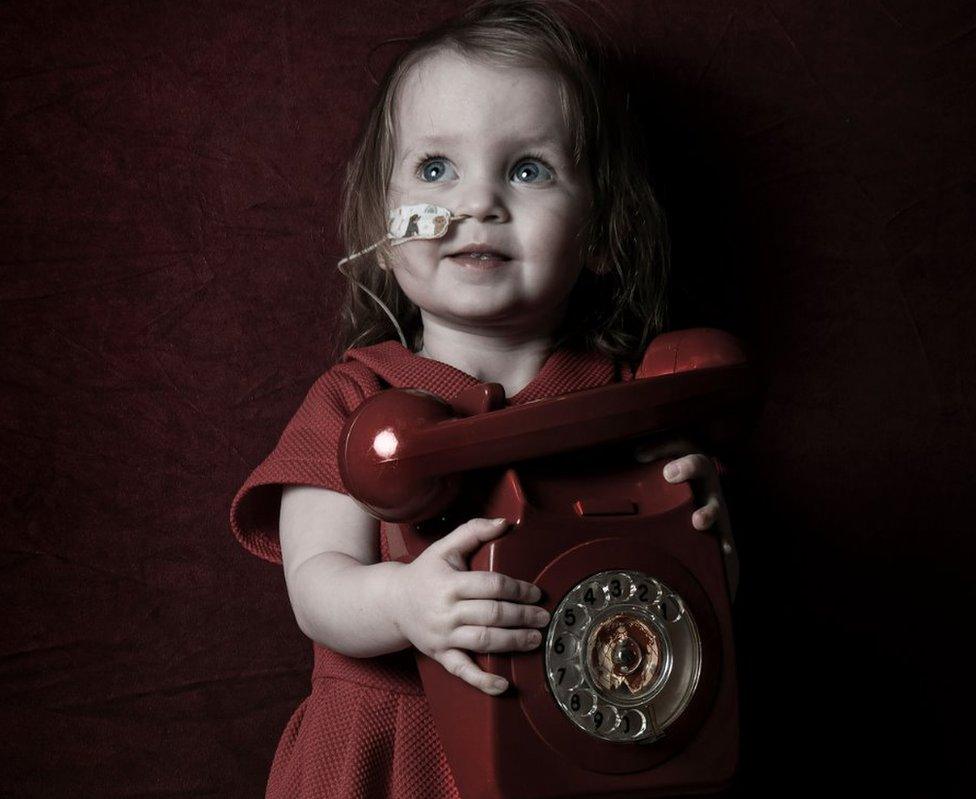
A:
169, 184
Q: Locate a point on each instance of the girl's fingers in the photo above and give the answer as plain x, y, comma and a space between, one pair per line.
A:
492, 613
690, 467
494, 639
465, 539
494, 585
706, 486
463, 667
705, 517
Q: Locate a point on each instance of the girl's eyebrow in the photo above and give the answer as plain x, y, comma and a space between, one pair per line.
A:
514, 143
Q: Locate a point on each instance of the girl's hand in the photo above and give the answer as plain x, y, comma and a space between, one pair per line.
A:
443, 609
692, 466
701, 470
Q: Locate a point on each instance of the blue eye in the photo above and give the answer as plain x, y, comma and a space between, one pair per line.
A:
433, 168
531, 171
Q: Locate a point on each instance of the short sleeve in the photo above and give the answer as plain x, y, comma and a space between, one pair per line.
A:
306, 454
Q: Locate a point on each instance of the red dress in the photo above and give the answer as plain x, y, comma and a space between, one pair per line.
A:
365, 730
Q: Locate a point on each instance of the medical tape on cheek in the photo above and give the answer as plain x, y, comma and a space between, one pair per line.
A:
413, 222
420, 222
406, 223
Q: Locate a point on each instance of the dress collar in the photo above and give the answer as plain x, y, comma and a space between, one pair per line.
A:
562, 372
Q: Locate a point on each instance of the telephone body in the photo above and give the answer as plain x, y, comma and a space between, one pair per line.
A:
633, 690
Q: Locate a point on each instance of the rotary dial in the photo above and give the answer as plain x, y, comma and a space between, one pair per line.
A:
623, 656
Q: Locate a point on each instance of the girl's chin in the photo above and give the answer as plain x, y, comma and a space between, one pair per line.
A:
484, 313
474, 310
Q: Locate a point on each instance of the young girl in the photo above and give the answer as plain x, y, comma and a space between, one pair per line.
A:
551, 279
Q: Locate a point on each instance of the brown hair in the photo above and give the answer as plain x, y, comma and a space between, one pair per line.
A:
619, 301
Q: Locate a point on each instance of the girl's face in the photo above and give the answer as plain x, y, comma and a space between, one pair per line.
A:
488, 141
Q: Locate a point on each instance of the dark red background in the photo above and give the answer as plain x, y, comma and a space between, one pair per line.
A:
170, 180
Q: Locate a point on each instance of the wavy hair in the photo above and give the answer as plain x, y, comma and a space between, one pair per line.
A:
619, 301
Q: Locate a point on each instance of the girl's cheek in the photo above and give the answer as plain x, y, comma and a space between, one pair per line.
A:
418, 260
399, 193
405, 190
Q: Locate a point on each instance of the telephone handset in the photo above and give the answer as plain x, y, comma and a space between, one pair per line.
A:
634, 686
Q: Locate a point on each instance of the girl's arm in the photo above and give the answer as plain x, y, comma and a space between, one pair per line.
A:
346, 601
340, 594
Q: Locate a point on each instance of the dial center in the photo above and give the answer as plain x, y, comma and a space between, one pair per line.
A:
626, 656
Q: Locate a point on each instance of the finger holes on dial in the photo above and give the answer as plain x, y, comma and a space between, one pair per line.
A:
582, 702
631, 725
647, 591
564, 647
619, 588
573, 680
604, 718
566, 677
669, 608
595, 596
572, 618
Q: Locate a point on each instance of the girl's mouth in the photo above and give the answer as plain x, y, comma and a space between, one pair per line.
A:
480, 260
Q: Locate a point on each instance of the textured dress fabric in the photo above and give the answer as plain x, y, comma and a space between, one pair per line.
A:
365, 730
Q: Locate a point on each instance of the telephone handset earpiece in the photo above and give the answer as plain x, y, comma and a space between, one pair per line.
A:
401, 452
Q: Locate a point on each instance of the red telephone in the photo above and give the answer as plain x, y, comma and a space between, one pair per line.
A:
633, 689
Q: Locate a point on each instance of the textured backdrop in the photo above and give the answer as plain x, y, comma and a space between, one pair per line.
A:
169, 179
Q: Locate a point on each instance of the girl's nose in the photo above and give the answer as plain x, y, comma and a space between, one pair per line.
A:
483, 201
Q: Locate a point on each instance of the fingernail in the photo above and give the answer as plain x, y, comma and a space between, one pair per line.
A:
500, 520
497, 686
535, 638
670, 471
